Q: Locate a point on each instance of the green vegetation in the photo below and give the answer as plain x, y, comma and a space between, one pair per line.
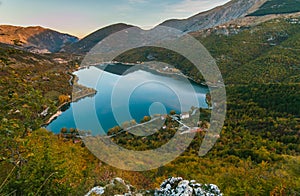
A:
277, 7
162, 55
258, 152
266, 53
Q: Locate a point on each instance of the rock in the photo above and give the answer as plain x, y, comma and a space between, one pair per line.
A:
170, 187
179, 187
96, 191
217, 16
116, 187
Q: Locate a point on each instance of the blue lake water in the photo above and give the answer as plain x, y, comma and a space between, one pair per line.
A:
123, 98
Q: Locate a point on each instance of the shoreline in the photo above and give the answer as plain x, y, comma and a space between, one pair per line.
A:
151, 69
83, 92
90, 94
58, 112
86, 92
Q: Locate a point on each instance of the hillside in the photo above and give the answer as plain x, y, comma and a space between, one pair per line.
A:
277, 7
219, 15
35, 39
240, 51
260, 66
258, 149
88, 42
263, 53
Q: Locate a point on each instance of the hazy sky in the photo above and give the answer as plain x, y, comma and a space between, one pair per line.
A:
81, 17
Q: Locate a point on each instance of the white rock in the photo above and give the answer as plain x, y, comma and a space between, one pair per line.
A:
98, 190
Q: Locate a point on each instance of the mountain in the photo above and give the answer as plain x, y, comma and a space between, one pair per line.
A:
232, 10
219, 15
258, 152
41, 40
277, 7
258, 53
88, 42
35, 39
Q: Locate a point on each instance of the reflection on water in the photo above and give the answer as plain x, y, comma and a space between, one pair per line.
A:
123, 98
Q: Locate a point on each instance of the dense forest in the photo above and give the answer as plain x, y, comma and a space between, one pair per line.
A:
258, 152
277, 7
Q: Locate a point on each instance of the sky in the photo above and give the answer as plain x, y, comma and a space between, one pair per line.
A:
81, 17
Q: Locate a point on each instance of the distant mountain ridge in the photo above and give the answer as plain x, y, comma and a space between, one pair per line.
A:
217, 16
87, 43
41, 40
232, 10
35, 39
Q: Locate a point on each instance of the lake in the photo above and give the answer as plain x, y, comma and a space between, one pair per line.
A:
126, 97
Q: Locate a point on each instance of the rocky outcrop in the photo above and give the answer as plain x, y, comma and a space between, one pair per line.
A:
117, 186
219, 15
237, 26
170, 187
180, 187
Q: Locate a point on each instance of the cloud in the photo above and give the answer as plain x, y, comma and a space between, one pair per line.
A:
194, 6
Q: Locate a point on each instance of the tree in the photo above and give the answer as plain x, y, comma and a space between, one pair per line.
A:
64, 99
4, 62
146, 119
172, 112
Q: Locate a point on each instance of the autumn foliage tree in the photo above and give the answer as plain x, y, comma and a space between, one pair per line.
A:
64, 99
